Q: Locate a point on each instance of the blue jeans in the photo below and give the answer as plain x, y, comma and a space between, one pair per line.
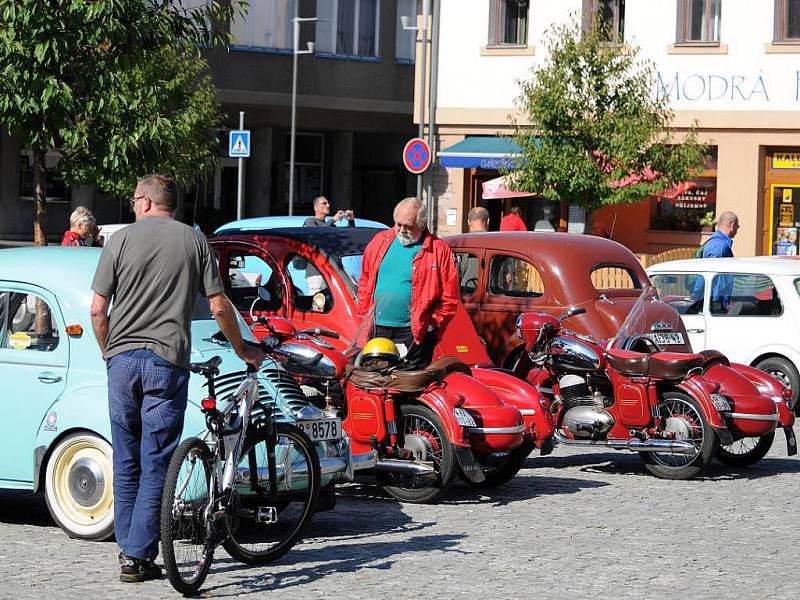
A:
146, 402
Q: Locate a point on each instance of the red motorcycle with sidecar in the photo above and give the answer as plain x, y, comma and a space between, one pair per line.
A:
645, 391
416, 430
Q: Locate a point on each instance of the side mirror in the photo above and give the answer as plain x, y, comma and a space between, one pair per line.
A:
264, 294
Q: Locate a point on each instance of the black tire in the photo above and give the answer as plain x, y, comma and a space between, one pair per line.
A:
78, 486
746, 451
428, 431
259, 543
784, 371
185, 547
500, 474
683, 466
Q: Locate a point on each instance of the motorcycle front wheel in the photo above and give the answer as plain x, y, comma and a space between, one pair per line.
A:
683, 415
746, 451
423, 434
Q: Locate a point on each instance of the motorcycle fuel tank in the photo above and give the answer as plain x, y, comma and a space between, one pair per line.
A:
571, 354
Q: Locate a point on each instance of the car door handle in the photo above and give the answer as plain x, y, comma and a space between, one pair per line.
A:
695, 330
49, 377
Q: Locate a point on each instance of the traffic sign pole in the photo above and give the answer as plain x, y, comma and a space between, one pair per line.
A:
240, 176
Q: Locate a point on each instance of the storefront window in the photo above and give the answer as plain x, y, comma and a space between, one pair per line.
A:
688, 205
57, 190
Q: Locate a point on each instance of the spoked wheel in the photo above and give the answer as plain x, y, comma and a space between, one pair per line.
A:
79, 486
683, 416
185, 544
506, 470
746, 451
263, 526
423, 434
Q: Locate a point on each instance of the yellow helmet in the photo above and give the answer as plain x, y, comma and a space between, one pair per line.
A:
381, 348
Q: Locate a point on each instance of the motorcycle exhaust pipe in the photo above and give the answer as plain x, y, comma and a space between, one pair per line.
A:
632, 444
406, 467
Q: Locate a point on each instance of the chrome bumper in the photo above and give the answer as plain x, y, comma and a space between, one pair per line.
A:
752, 417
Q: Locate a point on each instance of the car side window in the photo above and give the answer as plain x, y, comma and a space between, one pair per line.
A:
685, 292
245, 273
310, 289
468, 271
611, 277
512, 276
27, 323
739, 294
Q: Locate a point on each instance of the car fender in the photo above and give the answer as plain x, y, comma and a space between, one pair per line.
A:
512, 345
784, 350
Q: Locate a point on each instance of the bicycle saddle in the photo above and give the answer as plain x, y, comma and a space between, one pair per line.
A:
210, 367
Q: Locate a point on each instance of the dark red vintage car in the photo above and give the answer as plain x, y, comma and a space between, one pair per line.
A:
504, 274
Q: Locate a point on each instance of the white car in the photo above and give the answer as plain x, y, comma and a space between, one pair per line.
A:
747, 308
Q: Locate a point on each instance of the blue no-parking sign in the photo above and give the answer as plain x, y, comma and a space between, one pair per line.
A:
417, 155
239, 144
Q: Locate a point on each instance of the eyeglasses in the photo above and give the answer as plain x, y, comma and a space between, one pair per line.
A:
133, 200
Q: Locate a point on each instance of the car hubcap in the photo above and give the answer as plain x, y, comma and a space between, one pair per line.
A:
781, 376
82, 479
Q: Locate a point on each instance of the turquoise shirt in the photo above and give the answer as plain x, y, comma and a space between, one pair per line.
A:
392, 297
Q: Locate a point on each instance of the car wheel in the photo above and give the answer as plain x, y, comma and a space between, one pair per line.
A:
784, 371
79, 486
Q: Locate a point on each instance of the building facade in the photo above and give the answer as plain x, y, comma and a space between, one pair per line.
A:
353, 116
730, 66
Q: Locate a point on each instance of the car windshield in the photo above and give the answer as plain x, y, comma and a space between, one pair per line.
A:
652, 319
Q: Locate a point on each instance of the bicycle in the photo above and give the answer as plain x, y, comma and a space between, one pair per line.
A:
250, 487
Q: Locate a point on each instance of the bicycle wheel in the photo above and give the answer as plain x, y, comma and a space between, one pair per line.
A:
185, 546
262, 529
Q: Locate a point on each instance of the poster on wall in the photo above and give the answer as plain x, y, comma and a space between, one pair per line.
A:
784, 211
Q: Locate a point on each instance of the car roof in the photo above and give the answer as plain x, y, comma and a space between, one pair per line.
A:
332, 241
768, 265
261, 223
62, 270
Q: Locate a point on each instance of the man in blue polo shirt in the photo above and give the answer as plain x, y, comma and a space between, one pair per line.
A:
720, 245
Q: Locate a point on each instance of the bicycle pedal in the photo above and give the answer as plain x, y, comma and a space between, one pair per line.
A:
267, 514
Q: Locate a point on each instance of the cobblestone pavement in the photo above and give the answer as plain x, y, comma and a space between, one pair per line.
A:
571, 525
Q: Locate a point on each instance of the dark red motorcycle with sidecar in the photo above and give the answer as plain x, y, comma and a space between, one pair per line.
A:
645, 391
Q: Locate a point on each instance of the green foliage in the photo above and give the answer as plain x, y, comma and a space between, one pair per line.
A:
116, 86
593, 120
163, 119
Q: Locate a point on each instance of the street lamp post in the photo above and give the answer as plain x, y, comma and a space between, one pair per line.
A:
406, 23
295, 52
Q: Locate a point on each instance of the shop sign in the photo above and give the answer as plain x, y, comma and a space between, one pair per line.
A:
786, 215
692, 199
786, 160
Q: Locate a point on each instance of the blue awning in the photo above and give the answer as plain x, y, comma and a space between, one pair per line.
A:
483, 152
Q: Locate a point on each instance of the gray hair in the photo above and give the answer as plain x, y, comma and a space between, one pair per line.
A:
161, 190
79, 216
419, 206
478, 213
727, 218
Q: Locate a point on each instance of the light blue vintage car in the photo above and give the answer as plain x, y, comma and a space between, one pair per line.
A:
55, 432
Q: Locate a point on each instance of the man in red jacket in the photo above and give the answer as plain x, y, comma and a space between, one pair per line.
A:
410, 276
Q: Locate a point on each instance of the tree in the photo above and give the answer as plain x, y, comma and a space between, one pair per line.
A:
597, 134
107, 83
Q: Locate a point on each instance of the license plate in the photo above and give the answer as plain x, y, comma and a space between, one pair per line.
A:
667, 339
720, 402
463, 417
322, 430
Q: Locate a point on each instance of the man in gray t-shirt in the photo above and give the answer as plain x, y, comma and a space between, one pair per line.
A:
153, 271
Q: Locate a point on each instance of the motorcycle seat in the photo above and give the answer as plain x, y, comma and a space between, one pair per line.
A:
659, 365
450, 364
407, 382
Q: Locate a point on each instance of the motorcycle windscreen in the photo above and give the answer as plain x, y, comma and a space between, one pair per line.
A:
384, 311
651, 322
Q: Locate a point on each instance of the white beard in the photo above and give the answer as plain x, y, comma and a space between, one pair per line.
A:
406, 239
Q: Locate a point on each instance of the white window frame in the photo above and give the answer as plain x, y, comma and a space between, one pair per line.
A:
250, 24
334, 12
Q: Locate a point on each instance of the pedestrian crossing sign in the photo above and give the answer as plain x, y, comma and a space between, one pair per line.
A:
239, 144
